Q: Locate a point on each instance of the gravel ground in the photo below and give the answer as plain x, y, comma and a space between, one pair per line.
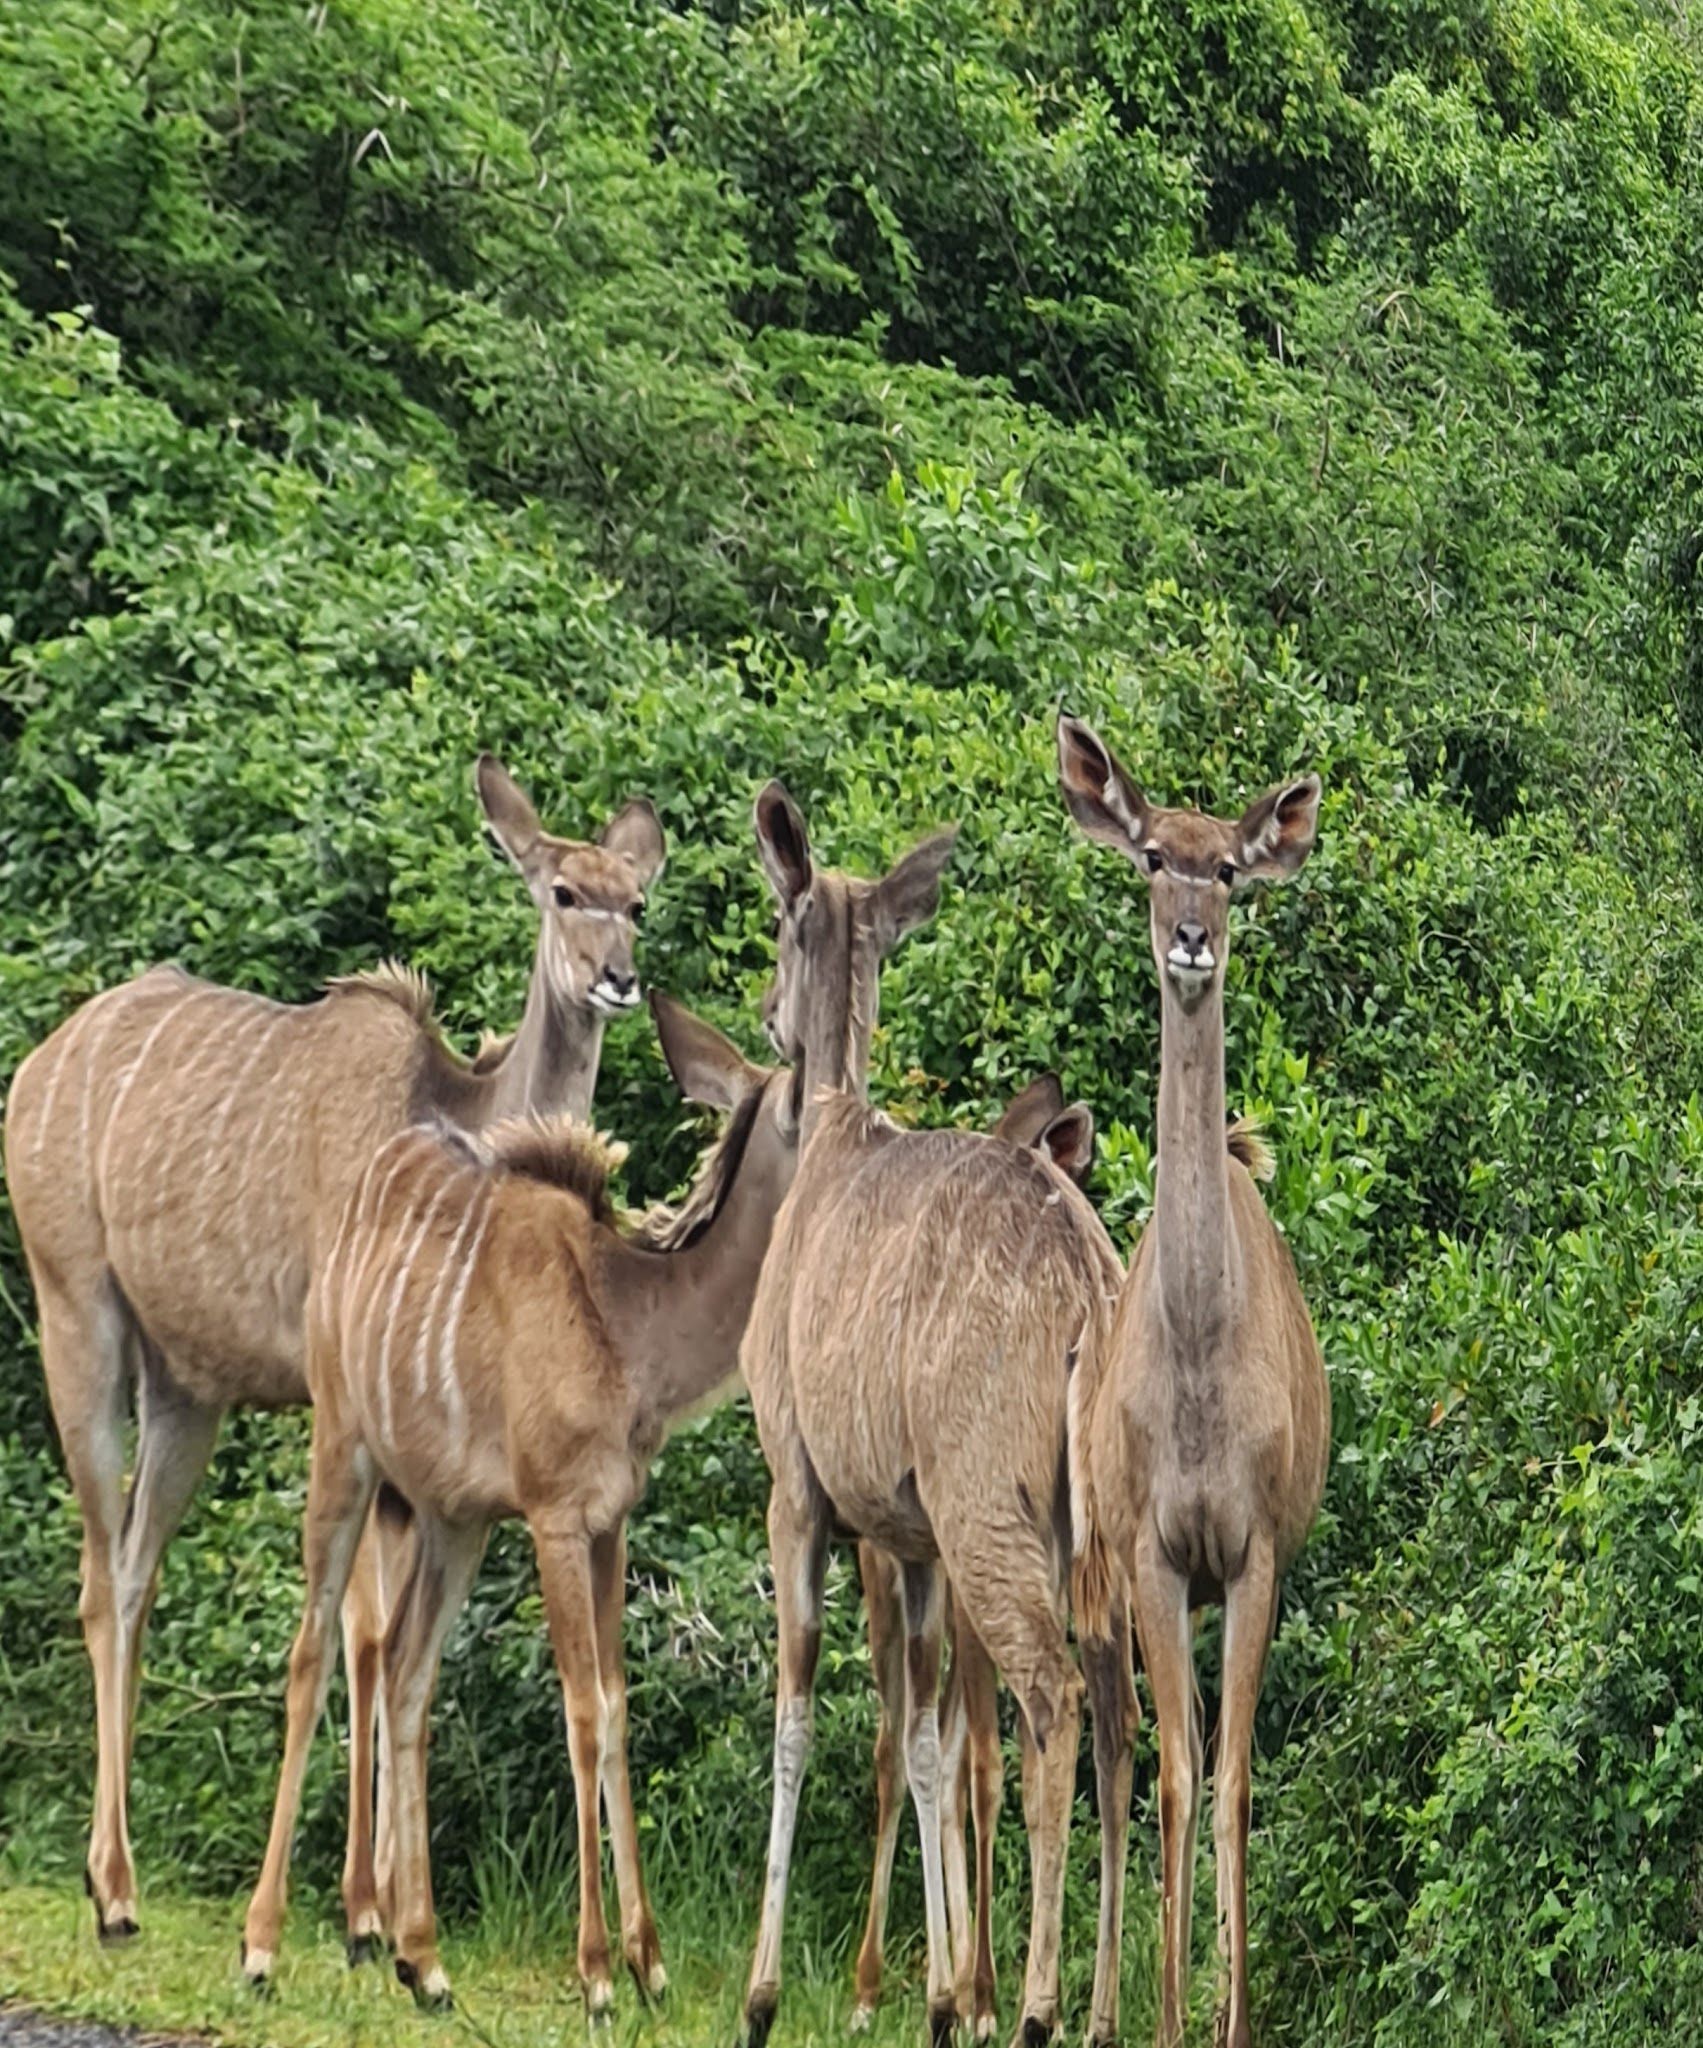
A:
22, 2029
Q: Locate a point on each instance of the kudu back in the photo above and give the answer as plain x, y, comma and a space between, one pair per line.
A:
176, 1152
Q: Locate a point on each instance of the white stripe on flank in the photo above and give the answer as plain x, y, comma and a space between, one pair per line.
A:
422, 1348
455, 1407
135, 1067
110, 1005
234, 1087
370, 1220
404, 1266
73, 1030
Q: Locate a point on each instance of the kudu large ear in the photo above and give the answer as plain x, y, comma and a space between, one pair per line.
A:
706, 1066
1069, 1140
1100, 796
1276, 833
1030, 1111
635, 832
783, 843
909, 893
509, 813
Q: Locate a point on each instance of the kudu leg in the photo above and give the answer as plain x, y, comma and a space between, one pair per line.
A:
565, 1570
83, 1345
983, 1767
925, 1616
1250, 1608
883, 1605
364, 1618
446, 1562
1111, 1697
1167, 1655
639, 1939
340, 1488
798, 1553
954, 1821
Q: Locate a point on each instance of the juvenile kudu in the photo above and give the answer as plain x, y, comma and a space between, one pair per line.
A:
486, 1340
1210, 1432
908, 1357
176, 1152
971, 1769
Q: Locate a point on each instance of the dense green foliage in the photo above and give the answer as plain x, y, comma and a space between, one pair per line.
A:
667, 396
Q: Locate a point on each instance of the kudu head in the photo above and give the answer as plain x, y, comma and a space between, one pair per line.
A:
1191, 862
590, 896
832, 934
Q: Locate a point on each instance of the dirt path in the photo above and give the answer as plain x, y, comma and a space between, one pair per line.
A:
20, 2028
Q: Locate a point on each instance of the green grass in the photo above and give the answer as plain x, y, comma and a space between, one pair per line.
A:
180, 1976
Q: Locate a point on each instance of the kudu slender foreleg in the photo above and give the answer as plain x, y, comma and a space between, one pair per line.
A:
364, 1619
446, 1562
1111, 1698
639, 1940
925, 1615
884, 1608
340, 1488
565, 1570
1167, 1655
798, 1553
1250, 1607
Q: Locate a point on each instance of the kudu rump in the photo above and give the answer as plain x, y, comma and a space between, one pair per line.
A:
1208, 1437
177, 1154
928, 1299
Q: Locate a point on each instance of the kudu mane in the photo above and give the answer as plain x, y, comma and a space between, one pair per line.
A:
665, 1229
394, 982
559, 1151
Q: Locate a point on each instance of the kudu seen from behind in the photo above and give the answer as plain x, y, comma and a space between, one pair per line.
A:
485, 1339
177, 1152
1208, 1439
930, 1303
971, 1765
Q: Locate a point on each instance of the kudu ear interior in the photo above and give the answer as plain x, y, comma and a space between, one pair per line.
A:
706, 1066
1099, 795
635, 832
509, 813
783, 843
1030, 1111
909, 893
1069, 1140
1276, 832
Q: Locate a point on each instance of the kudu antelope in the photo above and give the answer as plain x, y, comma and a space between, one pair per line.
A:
175, 1153
484, 1338
971, 1768
1210, 1433
908, 1356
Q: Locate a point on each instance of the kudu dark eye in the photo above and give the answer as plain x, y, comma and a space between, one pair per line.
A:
565, 897
1154, 858
1227, 874
635, 915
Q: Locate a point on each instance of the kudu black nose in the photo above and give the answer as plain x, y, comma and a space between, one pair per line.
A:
620, 984
1191, 936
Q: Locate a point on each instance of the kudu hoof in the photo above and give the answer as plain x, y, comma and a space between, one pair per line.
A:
862, 2019
759, 2018
256, 1965
1035, 2033
942, 2019
121, 1928
363, 1948
431, 1989
651, 1978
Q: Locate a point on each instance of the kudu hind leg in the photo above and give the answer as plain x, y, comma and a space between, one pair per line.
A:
639, 1940
798, 1553
982, 1774
1111, 1697
1250, 1608
884, 1609
1167, 1655
365, 1615
924, 1587
340, 1488
84, 1356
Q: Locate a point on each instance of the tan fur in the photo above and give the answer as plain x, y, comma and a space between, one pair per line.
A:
1208, 1441
906, 1358
176, 1153
483, 1339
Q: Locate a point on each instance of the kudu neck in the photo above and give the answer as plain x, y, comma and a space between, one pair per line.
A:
686, 1310
837, 1032
1199, 1258
550, 1067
